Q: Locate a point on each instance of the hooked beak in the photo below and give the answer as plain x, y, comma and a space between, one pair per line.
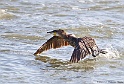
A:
52, 32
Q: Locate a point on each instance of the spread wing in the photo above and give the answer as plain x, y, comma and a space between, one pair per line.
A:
85, 46
78, 53
54, 42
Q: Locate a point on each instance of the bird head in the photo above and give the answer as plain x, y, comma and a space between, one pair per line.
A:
58, 32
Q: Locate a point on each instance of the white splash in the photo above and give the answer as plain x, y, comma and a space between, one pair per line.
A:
112, 53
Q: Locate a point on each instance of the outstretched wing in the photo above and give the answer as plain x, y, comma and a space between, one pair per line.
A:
86, 45
79, 53
54, 42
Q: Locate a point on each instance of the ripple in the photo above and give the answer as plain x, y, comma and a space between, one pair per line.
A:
5, 15
85, 65
19, 36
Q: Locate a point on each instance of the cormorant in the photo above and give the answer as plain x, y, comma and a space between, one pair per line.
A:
82, 46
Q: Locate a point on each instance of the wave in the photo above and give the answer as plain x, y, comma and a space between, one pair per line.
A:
5, 15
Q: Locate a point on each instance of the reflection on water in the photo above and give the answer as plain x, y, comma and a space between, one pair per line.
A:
23, 27
53, 62
84, 65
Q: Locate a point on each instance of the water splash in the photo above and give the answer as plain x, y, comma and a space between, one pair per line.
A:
112, 53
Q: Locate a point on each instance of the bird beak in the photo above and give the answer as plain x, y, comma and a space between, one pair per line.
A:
53, 32
50, 32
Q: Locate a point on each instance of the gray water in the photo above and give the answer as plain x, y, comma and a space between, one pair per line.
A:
23, 27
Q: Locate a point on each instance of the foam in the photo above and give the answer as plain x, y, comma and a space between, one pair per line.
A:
112, 53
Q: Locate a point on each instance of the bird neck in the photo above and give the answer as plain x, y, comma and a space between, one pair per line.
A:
71, 39
63, 35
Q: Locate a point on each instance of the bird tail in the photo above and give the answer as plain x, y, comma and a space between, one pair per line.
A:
103, 51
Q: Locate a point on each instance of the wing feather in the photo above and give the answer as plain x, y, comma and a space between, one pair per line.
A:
77, 55
54, 42
84, 47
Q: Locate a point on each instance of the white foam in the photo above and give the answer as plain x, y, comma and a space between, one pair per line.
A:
2, 11
112, 53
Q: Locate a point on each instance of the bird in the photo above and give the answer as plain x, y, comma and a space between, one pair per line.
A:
82, 46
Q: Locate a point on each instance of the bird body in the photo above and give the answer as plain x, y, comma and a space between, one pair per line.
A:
82, 46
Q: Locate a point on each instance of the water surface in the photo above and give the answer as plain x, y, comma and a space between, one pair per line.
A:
23, 26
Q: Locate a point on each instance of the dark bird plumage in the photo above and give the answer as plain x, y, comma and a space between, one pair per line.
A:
82, 46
